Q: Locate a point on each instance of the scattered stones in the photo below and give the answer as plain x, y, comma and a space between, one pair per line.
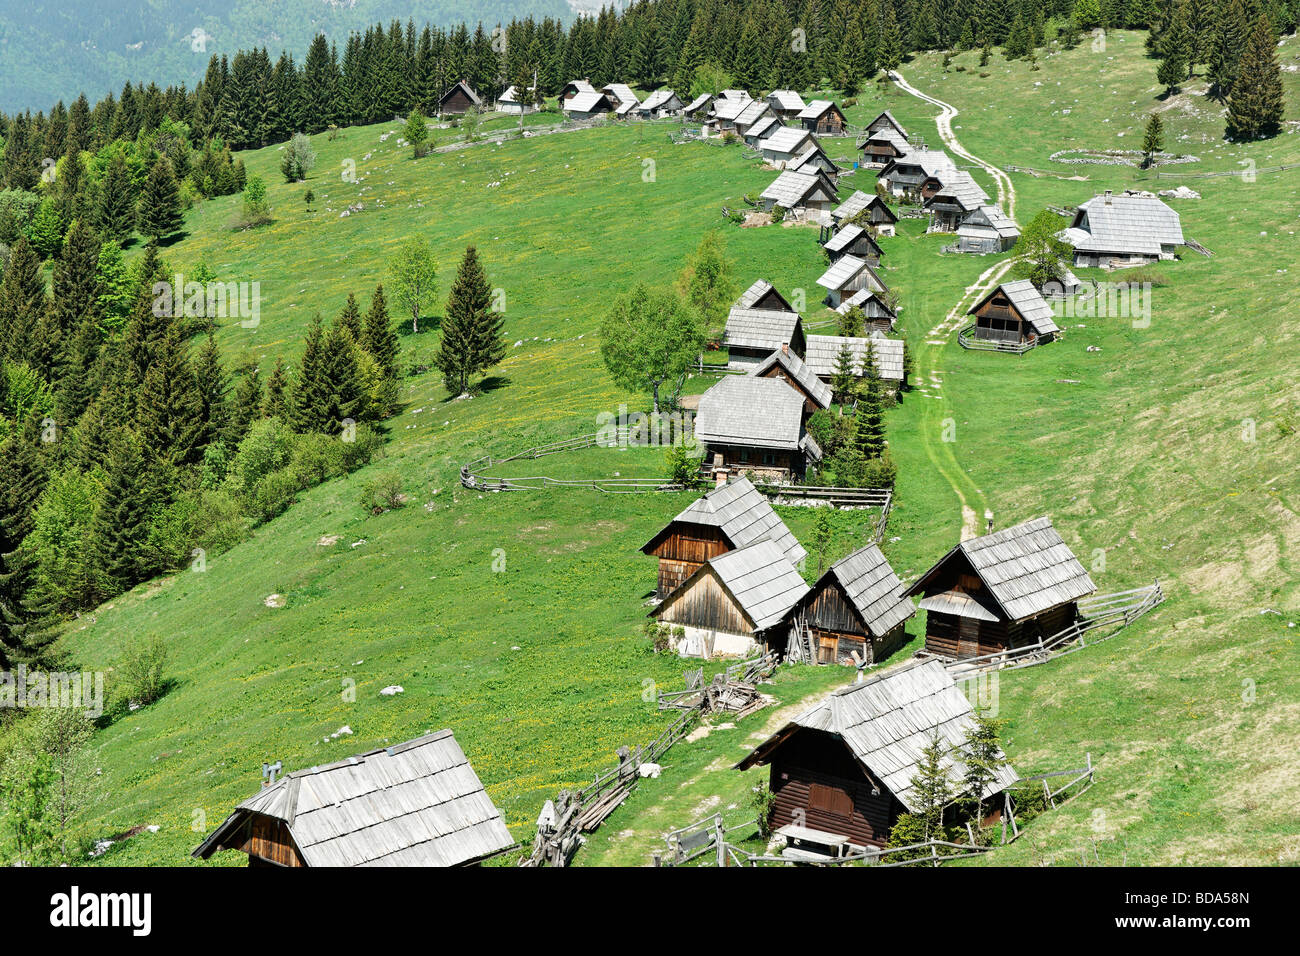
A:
392, 690
274, 600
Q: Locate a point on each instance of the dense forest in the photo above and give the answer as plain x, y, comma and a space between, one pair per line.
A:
129, 449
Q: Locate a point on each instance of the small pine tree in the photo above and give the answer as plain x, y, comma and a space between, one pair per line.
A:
309, 408
471, 341
932, 788
844, 380
417, 131
350, 318
120, 527
276, 403
983, 758
1152, 140
869, 420
379, 336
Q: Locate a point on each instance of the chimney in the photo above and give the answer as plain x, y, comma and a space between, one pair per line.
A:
719, 479
1107, 197
785, 347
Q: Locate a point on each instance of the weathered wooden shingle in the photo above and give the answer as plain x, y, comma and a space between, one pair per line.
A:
1135, 225
760, 328
752, 412
743, 514
417, 803
872, 587
786, 100
888, 719
845, 270
823, 354
817, 390
764, 583
787, 139
791, 190
1028, 301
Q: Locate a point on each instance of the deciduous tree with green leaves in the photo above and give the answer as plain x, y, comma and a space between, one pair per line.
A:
649, 339
413, 278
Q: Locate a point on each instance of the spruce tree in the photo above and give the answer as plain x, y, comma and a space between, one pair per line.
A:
169, 414
22, 300
379, 336
983, 758
160, 203
246, 406
350, 317
1228, 36
22, 476
310, 405
869, 421
1256, 106
115, 200
932, 788
471, 332
1152, 140
276, 403
76, 283
342, 377
213, 387
120, 528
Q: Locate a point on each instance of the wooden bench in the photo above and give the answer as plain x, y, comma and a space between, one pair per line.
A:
801, 841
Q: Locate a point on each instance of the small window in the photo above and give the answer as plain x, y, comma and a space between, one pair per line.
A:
830, 800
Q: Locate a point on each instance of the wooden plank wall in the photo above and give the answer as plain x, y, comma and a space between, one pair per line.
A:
810, 760
705, 604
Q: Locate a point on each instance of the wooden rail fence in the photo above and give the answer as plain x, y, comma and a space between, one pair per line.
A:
967, 340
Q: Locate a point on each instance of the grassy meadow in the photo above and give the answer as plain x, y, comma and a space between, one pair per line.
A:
515, 618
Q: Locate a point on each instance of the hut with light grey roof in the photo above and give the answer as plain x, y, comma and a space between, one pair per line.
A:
841, 772
733, 515
956, 197
814, 157
907, 175
790, 368
784, 144
1001, 591
754, 332
823, 118
754, 425
869, 210
879, 314
587, 105
845, 276
787, 104
987, 230
765, 127
1111, 231
1016, 313
660, 103
856, 611
698, 108
853, 240
418, 803
824, 356
809, 196
735, 602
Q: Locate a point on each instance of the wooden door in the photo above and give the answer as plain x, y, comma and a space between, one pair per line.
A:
968, 637
828, 648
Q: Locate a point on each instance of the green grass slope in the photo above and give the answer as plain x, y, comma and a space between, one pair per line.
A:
1136, 451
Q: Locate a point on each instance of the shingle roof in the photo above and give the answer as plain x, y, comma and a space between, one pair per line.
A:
755, 292
815, 108
785, 140
742, 513
765, 126
1028, 301
998, 221
763, 582
658, 99
888, 117
753, 111
417, 803
626, 107
509, 95
888, 719
790, 189
1125, 224
580, 86
727, 108
752, 412
759, 328
853, 205
932, 162
800, 372
823, 354
699, 102
872, 588
620, 90
787, 99
845, 236
1027, 568
587, 101
466, 88
734, 95
843, 270
807, 156
891, 136
869, 301
961, 186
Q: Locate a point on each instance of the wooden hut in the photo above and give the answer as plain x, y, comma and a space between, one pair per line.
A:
853, 240
733, 515
787, 104
955, 197
856, 611
699, 108
1014, 312
765, 127
908, 175
726, 109
755, 111
824, 356
808, 196
1111, 231
883, 147
781, 147
620, 94
417, 803
752, 334
573, 88
885, 121
987, 230
847, 275
790, 368
869, 210
459, 99
1001, 591
823, 118
587, 105
735, 602
764, 296
659, 104
754, 425
880, 315
516, 101
814, 157
841, 772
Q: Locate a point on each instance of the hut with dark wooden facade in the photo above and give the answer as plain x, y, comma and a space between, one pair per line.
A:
823, 118
417, 803
1001, 591
955, 198
842, 770
659, 104
886, 121
917, 174
883, 147
814, 157
869, 210
856, 611
588, 105
726, 109
810, 196
733, 515
458, 100
763, 296
573, 88
752, 334
754, 425
1014, 312
761, 130
735, 602
786, 104
790, 368
853, 240
879, 314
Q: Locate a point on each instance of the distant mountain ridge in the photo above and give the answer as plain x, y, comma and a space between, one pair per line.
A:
50, 52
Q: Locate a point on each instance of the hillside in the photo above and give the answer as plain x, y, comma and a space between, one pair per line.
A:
170, 41
1136, 450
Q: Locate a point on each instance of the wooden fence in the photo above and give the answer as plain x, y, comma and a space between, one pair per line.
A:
1117, 610
574, 812
967, 340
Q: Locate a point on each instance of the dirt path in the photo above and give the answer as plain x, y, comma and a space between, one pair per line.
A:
940, 433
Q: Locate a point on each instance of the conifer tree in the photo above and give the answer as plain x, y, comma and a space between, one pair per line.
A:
983, 758
276, 402
115, 200
22, 477
379, 336
471, 340
160, 203
1228, 37
350, 317
869, 421
213, 387
1256, 107
170, 412
246, 406
120, 527
342, 378
1152, 139
76, 283
22, 300
931, 788
310, 405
